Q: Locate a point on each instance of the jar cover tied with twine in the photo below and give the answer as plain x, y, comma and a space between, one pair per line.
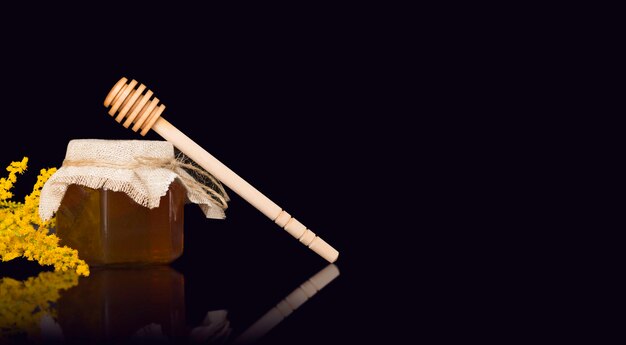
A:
122, 201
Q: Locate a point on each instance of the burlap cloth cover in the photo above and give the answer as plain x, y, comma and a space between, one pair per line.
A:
142, 169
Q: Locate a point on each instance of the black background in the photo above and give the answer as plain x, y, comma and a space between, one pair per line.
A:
303, 107
407, 138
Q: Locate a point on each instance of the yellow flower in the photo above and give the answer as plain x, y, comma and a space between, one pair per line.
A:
24, 234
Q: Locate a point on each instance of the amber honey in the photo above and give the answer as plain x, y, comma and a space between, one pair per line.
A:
110, 228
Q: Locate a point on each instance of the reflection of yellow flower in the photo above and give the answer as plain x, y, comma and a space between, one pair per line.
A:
24, 303
24, 234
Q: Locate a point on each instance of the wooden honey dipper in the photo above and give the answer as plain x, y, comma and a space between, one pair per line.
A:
139, 109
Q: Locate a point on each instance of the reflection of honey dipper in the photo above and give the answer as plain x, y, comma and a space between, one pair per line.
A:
288, 305
138, 109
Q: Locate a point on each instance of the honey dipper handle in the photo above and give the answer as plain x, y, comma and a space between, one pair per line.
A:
244, 189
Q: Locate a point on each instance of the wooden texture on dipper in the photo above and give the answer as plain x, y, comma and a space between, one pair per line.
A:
144, 112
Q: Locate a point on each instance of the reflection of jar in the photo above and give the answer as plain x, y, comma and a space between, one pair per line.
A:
120, 304
121, 202
108, 227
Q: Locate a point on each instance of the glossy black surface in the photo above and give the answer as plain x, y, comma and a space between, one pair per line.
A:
140, 304
237, 272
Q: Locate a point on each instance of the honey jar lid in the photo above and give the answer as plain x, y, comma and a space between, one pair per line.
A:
143, 169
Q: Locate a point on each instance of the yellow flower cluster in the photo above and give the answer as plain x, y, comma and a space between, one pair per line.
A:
24, 303
7, 183
24, 234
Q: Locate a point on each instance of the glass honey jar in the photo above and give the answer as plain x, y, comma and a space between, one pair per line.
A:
121, 202
108, 227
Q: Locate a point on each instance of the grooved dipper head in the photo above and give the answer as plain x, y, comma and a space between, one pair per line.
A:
131, 104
